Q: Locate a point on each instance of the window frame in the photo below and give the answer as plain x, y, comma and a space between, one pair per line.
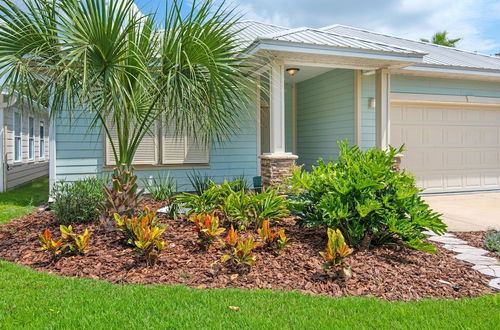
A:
31, 138
15, 152
159, 163
41, 139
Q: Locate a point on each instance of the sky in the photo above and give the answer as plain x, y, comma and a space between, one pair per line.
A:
476, 21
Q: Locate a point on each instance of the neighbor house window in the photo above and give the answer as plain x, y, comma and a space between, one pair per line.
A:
42, 139
31, 138
18, 119
163, 147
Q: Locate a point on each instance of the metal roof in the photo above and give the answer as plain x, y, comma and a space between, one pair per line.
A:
248, 31
436, 55
312, 36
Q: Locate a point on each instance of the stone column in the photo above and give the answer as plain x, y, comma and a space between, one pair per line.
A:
276, 167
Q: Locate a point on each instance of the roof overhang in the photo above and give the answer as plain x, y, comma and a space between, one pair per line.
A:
362, 58
450, 72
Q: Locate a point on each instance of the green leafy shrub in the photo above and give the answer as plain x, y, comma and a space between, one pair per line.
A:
267, 205
492, 241
77, 202
161, 188
200, 182
144, 233
365, 199
334, 255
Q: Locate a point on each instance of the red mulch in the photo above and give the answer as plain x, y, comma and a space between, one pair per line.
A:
389, 272
476, 239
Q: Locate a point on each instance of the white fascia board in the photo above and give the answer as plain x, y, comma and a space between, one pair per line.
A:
453, 70
285, 46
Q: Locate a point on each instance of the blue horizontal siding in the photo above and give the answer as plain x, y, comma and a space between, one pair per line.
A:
325, 115
80, 153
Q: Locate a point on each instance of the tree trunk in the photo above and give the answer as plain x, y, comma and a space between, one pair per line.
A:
366, 241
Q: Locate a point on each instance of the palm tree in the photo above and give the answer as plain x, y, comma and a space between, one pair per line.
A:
106, 60
441, 38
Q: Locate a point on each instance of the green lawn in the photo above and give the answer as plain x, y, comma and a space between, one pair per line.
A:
30, 299
23, 199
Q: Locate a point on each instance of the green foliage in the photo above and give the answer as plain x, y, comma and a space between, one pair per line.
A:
242, 256
77, 202
76, 243
441, 38
267, 205
273, 240
336, 251
205, 203
123, 196
239, 183
144, 232
492, 241
50, 245
365, 199
116, 64
161, 188
200, 182
207, 227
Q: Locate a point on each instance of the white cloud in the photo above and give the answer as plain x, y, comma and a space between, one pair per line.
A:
412, 19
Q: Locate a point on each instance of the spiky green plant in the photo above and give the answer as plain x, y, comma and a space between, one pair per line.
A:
107, 61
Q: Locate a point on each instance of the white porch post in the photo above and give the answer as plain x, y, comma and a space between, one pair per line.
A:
382, 108
277, 109
277, 164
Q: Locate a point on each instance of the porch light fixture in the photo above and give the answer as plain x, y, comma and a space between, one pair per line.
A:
292, 71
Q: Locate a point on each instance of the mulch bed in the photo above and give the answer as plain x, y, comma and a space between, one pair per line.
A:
476, 239
389, 272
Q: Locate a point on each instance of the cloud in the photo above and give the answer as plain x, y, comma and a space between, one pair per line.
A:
413, 19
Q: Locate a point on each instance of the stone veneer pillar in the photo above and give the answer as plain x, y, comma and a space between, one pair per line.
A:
276, 167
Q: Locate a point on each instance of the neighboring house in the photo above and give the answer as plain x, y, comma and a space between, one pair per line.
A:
325, 85
24, 142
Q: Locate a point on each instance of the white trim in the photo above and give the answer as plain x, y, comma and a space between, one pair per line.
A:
276, 45
452, 70
257, 117
41, 123
357, 107
14, 154
382, 108
31, 138
2, 136
294, 118
444, 99
324, 64
277, 109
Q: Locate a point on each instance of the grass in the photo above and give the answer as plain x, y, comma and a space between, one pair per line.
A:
23, 199
29, 299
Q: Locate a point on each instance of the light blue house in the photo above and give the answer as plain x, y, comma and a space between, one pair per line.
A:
325, 85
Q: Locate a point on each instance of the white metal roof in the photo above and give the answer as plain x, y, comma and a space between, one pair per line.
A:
312, 36
436, 55
341, 36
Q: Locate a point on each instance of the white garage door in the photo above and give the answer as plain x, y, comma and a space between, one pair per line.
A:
449, 148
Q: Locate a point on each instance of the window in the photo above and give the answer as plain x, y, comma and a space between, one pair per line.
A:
162, 147
42, 139
31, 138
18, 119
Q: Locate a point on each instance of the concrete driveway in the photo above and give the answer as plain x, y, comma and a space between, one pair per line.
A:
468, 212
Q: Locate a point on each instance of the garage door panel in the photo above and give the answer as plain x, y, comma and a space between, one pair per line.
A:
449, 148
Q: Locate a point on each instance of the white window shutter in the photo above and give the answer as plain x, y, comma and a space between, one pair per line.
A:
196, 152
173, 147
146, 154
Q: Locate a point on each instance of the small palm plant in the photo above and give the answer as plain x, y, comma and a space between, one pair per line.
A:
105, 61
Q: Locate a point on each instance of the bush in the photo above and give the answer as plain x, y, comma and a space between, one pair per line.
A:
161, 188
492, 241
200, 182
77, 202
365, 199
